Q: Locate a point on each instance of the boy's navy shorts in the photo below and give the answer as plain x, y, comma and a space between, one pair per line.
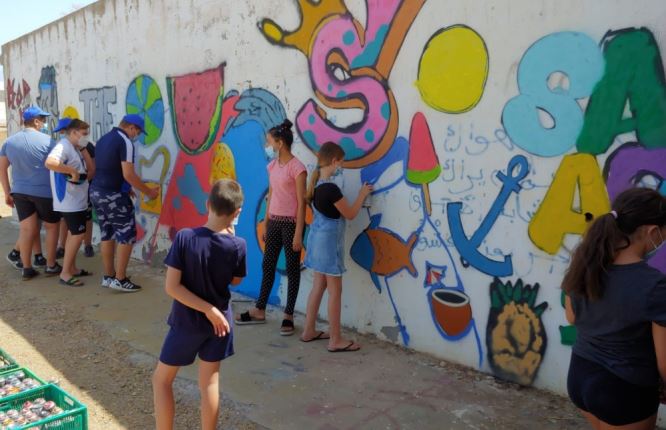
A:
182, 346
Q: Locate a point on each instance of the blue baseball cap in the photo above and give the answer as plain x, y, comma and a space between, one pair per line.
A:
33, 112
136, 120
63, 123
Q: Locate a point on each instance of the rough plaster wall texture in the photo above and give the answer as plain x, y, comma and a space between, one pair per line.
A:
417, 273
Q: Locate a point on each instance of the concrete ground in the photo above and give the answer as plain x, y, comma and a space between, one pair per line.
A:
102, 345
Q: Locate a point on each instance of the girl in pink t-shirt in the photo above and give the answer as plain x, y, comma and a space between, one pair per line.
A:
285, 220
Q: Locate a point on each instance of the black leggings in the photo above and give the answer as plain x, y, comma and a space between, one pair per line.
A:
280, 234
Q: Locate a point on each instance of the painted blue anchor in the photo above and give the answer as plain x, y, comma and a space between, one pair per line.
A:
468, 248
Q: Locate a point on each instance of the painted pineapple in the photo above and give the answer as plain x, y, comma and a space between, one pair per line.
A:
515, 335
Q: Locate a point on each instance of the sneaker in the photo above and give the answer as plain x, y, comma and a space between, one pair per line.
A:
14, 258
53, 270
29, 273
39, 261
124, 285
60, 253
88, 251
107, 281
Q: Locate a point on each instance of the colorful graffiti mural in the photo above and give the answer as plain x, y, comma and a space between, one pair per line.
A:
96, 112
501, 171
515, 337
144, 98
18, 99
349, 68
48, 96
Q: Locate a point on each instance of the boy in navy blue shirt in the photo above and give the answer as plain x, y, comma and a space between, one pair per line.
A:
201, 264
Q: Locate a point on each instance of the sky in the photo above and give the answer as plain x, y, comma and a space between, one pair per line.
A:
25, 16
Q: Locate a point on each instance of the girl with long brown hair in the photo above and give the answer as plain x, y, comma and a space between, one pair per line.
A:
618, 304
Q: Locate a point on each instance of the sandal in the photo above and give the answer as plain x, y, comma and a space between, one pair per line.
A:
72, 282
246, 319
319, 336
287, 328
83, 272
347, 348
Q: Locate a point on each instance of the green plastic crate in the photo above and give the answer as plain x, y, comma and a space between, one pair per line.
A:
28, 374
6, 361
75, 416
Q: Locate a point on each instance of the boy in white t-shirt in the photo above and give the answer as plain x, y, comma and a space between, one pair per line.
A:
69, 185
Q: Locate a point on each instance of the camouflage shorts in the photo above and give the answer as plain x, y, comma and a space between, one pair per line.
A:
115, 214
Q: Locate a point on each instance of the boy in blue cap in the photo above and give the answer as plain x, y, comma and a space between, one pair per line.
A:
110, 196
30, 190
201, 264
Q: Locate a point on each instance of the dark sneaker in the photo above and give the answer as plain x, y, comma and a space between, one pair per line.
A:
88, 251
60, 253
14, 258
107, 281
124, 285
39, 261
29, 273
54, 270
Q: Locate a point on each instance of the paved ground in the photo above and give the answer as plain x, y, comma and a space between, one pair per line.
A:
102, 345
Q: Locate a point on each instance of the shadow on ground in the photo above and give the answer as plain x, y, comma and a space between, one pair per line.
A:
103, 345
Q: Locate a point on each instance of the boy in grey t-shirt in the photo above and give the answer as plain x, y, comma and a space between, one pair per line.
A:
69, 185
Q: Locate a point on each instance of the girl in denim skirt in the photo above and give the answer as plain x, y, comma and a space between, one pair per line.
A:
326, 245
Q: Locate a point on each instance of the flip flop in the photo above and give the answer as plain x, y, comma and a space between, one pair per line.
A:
318, 337
347, 348
71, 282
246, 319
83, 272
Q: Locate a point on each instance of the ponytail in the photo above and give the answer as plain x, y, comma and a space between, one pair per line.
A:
609, 234
593, 256
314, 178
328, 153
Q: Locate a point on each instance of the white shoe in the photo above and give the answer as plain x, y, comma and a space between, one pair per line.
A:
126, 286
106, 281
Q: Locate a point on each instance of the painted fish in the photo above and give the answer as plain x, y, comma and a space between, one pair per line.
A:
382, 252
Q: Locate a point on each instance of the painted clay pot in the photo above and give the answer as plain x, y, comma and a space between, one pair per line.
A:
452, 310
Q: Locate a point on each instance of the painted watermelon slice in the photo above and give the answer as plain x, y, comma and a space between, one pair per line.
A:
422, 163
196, 108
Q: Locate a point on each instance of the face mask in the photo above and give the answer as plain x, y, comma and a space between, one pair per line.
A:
656, 247
83, 141
270, 152
337, 172
235, 220
45, 128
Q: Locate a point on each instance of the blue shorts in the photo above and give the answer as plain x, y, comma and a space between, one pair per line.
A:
115, 214
182, 346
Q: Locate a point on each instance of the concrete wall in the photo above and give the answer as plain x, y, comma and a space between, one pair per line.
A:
3, 106
490, 128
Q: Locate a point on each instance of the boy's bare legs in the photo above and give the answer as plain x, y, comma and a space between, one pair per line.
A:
62, 234
51, 229
72, 246
28, 229
314, 301
165, 407
87, 238
124, 254
334, 287
108, 248
209, 386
